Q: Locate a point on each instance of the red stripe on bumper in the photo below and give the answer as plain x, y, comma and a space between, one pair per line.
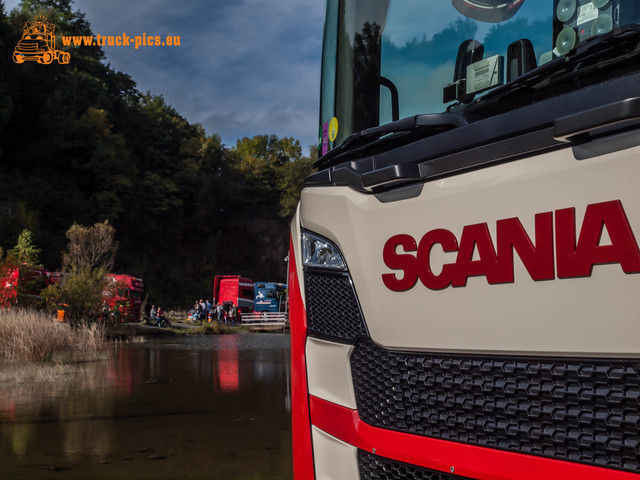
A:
468, 461
300, 422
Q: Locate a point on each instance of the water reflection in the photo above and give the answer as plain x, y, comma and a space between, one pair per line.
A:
214, 407
228, 380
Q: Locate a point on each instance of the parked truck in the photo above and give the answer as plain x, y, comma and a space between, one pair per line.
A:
22, 283
464, 265
269, 297
233, 289
124, 295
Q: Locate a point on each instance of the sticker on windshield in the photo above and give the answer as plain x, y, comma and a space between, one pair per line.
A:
586, 13
333, 129
325, 138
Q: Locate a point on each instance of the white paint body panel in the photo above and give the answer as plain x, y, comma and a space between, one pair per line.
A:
329, 373
334, 460
595, 316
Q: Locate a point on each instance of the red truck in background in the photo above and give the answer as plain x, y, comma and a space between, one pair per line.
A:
26, 283
125, 293
235, 289
9, 276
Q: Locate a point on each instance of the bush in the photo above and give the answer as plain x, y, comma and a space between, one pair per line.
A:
80, 294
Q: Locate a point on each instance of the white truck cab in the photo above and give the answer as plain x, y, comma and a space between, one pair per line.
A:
464, 262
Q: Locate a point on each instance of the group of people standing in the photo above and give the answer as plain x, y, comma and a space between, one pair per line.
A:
225, 312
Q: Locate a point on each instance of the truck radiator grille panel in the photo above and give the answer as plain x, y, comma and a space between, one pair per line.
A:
332, 307
373, 467
585, 411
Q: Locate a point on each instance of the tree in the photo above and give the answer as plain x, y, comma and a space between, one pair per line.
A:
81, 295
90, 248
23, 258
89, 256
80, 144
25, 251
276, 167
291, 181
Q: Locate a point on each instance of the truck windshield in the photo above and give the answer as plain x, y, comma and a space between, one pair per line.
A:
385, 60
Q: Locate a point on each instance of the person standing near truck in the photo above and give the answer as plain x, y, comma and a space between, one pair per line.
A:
207, 310
234, 312
153, 314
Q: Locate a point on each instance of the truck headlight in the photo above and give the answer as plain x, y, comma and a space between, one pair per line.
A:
321, 253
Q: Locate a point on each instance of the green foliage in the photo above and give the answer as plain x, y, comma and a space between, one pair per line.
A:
80, 295
81, 145
275, 166
88, 258
23, 258
25, 251
291, 181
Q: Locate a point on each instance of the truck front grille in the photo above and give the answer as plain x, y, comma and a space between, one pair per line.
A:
332, 307
373, 467
585, 411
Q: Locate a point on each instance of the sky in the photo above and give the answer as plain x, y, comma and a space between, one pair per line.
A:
243, 67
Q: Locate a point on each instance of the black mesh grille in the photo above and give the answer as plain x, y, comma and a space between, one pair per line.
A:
585, 411
332, 308
373, 467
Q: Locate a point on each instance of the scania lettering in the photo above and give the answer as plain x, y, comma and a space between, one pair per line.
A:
464, 261
572, 260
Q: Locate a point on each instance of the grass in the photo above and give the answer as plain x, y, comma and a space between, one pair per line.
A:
29, 336
131, 331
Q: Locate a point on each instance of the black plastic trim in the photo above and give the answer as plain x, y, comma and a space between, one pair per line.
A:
566, 120
577, 125
333, 308
431, 123
584, 410
375, 467
393, 173
486, 155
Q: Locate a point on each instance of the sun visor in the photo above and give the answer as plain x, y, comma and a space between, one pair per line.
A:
491, 11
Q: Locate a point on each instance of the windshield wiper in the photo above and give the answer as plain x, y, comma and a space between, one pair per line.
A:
574, 63
357, 143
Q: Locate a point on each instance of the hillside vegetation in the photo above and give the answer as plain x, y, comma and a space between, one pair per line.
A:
79, 143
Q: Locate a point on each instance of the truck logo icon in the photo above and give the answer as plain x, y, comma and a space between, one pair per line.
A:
38, 44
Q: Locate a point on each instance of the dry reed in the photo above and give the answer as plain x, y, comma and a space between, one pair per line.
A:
34, 336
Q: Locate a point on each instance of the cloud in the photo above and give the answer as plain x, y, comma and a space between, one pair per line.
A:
281, 120
243, 66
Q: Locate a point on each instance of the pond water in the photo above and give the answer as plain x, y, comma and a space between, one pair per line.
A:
214, 407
